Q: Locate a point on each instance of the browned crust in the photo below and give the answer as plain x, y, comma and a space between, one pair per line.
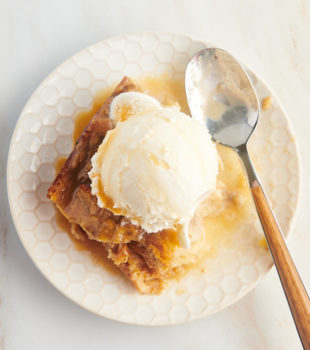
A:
71, 191
143, 259
75, 169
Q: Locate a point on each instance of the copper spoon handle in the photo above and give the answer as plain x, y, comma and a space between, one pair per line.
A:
294, 289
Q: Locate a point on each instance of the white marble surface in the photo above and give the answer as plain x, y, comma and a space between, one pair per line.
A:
35, 36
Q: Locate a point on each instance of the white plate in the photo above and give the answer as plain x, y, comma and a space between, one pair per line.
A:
43, 133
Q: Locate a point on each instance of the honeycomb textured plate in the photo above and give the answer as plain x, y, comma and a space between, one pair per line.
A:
44, 133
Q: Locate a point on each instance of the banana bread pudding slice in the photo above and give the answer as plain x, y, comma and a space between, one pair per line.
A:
147, 260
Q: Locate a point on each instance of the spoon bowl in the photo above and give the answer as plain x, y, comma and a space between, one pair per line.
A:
221, 95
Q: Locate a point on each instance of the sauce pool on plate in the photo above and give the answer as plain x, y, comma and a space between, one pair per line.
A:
219, 228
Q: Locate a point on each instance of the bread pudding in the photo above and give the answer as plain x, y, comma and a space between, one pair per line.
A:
147, 243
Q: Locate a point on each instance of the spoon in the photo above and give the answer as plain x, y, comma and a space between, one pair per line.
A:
221, 95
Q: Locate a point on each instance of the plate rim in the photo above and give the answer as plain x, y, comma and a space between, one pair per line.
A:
125, 36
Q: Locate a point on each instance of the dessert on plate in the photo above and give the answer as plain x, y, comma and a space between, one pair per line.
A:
147, 182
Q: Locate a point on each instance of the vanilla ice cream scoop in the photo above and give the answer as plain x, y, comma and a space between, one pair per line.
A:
155, 167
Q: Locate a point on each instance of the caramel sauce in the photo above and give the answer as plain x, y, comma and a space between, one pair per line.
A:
168, 91
219, 229
83, 118
94, 249
263, 243
59, 163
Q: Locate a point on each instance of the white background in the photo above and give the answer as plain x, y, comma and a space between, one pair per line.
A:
272, 37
